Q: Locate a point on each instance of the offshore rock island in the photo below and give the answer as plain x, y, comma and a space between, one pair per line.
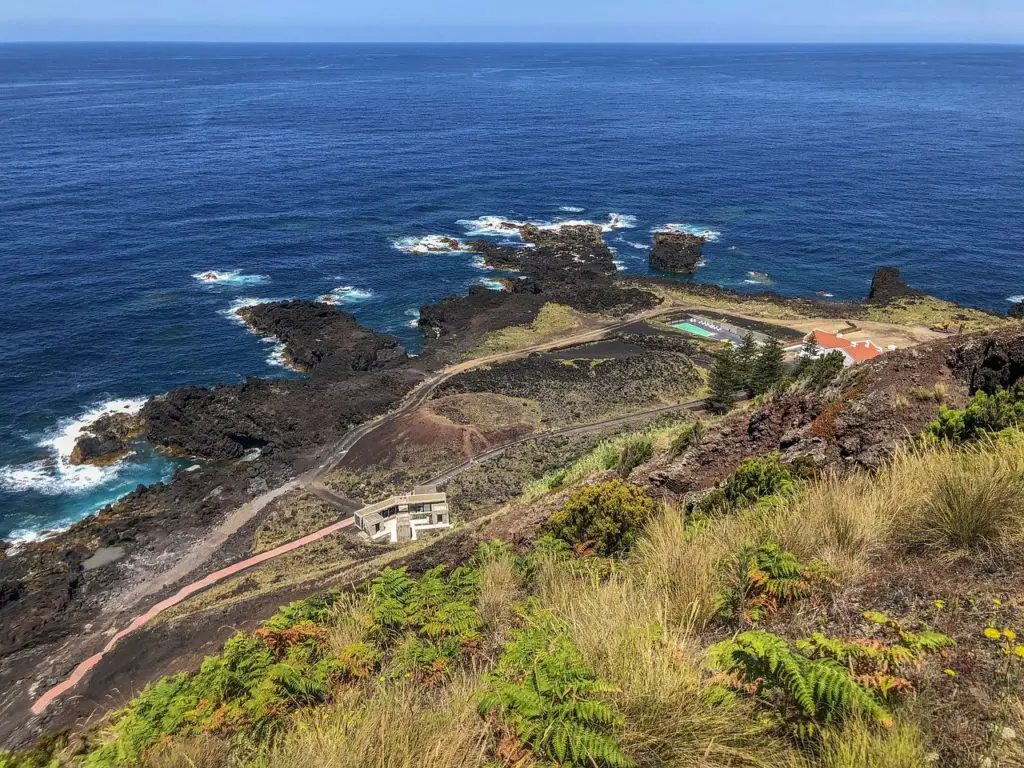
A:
511, 393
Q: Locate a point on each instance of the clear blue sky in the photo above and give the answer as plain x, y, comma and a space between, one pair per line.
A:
517, 20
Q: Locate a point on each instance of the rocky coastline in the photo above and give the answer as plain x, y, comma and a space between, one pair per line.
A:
244, 439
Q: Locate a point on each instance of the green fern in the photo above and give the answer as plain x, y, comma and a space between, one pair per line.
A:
817, 691
757, 581
552, 702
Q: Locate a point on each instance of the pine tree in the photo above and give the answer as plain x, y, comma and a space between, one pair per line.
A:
723, 380
746, 355
767, 367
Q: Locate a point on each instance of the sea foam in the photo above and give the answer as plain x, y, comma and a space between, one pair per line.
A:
498, 226
414, 315
711, 235
425, 244
1015, 299
346, 294
55, 474
229, 277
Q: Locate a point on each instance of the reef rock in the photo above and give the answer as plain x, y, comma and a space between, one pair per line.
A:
1017, 310
107, 439
676, 252
322, 339
887, 285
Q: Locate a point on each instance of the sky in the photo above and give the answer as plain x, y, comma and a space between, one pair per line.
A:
981, 21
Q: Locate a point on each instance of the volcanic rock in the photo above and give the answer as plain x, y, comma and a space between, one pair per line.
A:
106, 440
1017, 310
886, 285
322, 339
676, 252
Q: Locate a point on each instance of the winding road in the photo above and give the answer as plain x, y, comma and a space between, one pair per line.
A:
310, 481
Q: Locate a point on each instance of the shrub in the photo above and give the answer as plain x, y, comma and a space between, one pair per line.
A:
634, 453
689, 435
986, 413
552, 702
607, 515
975, 507
753, 480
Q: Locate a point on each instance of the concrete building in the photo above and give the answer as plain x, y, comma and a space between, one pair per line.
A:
405, 518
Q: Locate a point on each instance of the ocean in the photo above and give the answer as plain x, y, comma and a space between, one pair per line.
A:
129, 170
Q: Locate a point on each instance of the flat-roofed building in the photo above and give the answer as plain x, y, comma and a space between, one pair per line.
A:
405, 518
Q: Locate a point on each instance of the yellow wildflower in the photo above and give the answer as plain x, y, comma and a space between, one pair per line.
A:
1019, 651
940, 604
997, 601
1009, 634
992, 633
950, 672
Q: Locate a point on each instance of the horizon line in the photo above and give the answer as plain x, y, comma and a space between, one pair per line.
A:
268, 41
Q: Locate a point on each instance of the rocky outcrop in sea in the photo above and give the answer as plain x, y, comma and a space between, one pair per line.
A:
676, 252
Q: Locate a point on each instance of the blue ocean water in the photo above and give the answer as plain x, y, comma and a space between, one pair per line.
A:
127, 169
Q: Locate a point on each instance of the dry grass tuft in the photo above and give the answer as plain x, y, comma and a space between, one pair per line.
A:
388, 726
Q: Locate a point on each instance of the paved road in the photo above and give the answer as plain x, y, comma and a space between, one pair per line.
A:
449, 474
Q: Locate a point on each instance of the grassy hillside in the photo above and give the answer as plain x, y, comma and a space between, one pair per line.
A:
789, 618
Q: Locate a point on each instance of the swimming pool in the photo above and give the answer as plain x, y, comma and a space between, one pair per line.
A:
696, 330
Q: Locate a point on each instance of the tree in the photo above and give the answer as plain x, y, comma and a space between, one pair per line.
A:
768, 367
723, 380
746, 355
609, 515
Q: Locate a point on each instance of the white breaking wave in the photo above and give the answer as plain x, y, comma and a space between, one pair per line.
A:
234, 277
571, 208
1015, 299
494, 285
241, 303
55, 474
498, 226
619, 265
758, 278
710, 235
638, 246
414, 314
429, 244
277, 355
346, 294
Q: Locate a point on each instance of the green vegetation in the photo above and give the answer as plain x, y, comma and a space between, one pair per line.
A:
934, 313
544, 693
666, 434
552, 321
759, 369
985, 413
855, 644
757, 580
606, 517
755, 479
724, 379
636, 451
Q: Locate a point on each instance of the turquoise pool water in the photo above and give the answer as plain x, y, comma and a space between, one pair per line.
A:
696, 330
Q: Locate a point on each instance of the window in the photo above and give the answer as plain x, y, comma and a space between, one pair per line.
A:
376, 527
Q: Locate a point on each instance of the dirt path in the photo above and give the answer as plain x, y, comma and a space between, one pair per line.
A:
238, 517
310, 481
83, 669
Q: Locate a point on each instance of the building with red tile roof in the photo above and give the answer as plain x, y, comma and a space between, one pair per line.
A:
853, 351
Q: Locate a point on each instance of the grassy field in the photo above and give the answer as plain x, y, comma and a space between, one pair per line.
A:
552, 321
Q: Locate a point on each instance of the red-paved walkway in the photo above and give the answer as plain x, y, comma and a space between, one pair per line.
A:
82, 669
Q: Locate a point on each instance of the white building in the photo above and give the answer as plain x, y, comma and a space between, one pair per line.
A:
405, 518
